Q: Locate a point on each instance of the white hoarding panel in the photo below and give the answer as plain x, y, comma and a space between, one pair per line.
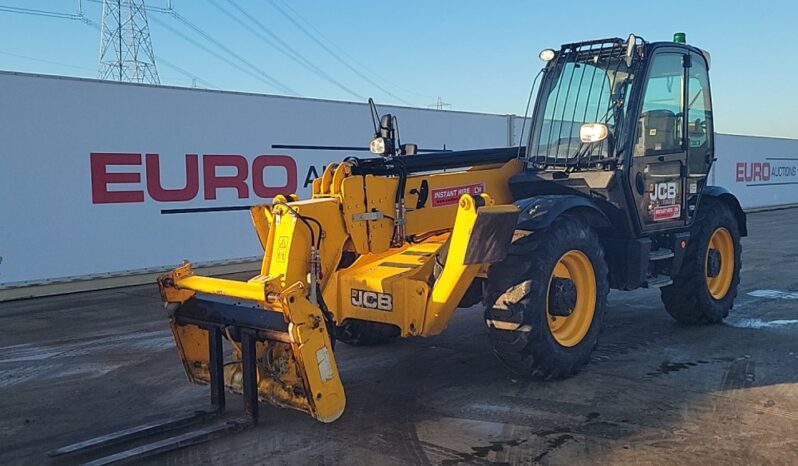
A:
761, 172
101, 177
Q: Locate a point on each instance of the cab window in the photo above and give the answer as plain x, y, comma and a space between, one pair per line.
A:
658, 131
699, 117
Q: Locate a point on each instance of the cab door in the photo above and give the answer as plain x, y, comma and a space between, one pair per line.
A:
659, 153
700, 131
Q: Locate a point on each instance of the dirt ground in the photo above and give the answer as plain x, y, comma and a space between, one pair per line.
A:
80, 365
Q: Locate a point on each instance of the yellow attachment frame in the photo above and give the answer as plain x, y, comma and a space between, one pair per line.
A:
295, 366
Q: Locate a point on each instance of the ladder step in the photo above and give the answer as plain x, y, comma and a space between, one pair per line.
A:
659, 281
660, 254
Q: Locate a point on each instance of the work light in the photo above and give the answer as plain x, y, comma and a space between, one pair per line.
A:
593, 132
377, 146
546, 55
380, 145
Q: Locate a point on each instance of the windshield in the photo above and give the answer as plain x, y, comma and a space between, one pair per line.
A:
583, 86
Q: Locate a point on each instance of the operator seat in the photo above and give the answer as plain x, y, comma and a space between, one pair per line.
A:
657, 133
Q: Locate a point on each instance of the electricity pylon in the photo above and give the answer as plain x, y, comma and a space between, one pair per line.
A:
125, 47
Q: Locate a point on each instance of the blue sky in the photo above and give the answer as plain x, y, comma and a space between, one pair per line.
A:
477, 56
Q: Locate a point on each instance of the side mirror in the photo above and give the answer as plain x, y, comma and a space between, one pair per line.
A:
383, 142
630, 49
386, 126
593, 132
408, 149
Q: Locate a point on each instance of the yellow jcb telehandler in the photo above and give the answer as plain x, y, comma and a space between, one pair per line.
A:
608, 192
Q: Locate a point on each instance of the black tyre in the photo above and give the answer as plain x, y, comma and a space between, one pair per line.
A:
547, 300
357, 332
703, 291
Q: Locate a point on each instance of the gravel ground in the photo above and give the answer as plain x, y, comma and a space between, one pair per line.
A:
79, 365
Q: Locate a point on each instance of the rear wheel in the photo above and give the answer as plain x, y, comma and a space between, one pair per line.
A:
703, 291
547, 300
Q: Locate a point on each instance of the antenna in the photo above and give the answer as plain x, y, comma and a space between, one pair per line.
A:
125, 47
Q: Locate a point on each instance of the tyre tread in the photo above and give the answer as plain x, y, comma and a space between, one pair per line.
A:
687, 300
514, 291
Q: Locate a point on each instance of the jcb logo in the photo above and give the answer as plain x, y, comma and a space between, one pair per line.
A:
662, 191
372, 300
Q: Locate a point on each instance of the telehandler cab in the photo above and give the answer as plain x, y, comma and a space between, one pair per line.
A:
609, 192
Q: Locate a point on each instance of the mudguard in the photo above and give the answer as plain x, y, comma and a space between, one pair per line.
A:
724, 195
540, 211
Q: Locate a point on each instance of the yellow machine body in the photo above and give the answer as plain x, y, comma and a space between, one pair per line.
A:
349, 252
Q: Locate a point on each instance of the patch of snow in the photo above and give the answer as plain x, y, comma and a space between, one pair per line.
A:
759, 323
774, 294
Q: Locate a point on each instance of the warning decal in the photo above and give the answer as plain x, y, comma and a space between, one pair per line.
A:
449, 196
667, 212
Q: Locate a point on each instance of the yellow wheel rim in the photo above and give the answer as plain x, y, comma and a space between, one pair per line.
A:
720, 241
570, 330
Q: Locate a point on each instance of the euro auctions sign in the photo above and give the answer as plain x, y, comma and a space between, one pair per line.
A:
761, 172
772, 170
118, 178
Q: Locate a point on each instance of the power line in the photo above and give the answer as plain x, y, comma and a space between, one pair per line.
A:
209, 51
49, 14
184, 72
267, 77
344, 53
282, 46
81, 17
321, 44
34, 12
251, 69
42, 60
149, 8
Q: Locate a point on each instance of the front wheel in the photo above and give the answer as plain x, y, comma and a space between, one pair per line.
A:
547, 300
704, 289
